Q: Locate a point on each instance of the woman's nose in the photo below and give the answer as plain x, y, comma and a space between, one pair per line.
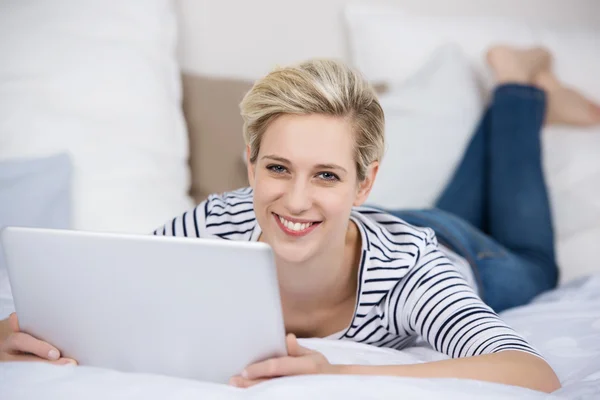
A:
298, 198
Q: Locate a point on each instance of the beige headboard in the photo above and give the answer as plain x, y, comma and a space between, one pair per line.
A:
214, 124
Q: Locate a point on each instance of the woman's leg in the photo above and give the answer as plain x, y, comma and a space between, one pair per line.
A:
498, 181
515, 208
465, 194
513, 257
518, 210
518, 207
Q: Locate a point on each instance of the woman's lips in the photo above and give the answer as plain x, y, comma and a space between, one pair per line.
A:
295, 232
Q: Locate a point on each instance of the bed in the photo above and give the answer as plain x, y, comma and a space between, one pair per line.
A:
113, 149
563, 324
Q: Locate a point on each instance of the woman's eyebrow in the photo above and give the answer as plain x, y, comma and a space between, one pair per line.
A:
277, 158
318, 166
330, 166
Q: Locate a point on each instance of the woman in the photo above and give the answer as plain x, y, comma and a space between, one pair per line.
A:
315, 140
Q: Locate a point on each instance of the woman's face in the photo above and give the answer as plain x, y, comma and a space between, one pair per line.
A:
305, 184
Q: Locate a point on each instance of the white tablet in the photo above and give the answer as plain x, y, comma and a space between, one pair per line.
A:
191, 308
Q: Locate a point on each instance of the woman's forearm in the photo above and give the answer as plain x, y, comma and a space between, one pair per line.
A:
508, 367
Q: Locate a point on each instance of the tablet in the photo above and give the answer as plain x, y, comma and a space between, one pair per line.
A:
190, 308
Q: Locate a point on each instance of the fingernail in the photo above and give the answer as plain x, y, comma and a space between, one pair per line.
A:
53, 354
245, 374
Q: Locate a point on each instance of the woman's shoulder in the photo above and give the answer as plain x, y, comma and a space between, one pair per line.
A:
229, 215
390, 231
234, 198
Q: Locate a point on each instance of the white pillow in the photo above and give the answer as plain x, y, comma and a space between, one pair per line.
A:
388, 45
99, 80
572, 169
429, 121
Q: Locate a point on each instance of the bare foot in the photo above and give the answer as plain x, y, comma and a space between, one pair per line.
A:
513, 65
566, 106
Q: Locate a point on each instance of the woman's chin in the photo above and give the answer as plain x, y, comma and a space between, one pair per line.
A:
291, 253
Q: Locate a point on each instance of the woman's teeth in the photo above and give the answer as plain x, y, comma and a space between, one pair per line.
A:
296, 227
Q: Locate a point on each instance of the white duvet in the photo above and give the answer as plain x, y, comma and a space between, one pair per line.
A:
564, 325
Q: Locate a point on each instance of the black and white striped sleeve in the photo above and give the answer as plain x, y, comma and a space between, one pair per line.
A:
437, 303
189, 224
228, 215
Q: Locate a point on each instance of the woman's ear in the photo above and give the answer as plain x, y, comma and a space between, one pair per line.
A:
364, 187
250, 166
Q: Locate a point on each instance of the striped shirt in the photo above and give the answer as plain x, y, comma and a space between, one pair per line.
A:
408, 288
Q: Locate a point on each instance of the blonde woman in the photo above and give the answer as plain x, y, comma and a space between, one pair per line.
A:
315, 140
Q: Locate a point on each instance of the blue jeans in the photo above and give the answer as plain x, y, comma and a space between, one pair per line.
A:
495, 210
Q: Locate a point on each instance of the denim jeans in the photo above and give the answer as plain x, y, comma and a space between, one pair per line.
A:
495, 210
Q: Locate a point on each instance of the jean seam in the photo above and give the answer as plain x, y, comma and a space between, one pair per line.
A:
487, 254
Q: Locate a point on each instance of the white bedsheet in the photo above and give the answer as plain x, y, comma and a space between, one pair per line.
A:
563, 324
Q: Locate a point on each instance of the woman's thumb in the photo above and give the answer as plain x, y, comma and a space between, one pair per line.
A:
294, 348
13, 322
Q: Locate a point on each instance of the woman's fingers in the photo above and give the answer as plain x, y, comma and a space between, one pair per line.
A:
293, 347
64, 361
32, 358
20, 346
283, 366
240, 382
20, 342
13, 322
300, 361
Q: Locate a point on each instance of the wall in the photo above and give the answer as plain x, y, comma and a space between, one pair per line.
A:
246, 38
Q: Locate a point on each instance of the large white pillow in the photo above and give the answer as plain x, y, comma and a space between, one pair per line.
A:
98, 79
572, 169
389, 45
429, 121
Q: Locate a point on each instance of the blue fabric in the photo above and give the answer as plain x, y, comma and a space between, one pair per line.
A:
495, 210
33, 193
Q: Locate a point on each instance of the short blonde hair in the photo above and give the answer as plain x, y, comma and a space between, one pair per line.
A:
317, 87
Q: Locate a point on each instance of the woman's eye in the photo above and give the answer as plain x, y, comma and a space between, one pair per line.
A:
328, 176
278, 169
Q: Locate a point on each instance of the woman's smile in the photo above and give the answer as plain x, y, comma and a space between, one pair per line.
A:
294, 226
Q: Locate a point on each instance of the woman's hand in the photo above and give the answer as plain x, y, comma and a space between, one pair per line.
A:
299, 361
19, 346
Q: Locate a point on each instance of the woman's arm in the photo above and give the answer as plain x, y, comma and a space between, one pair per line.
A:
509, 367
435, 302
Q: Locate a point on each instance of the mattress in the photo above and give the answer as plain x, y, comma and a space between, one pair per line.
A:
564, 325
